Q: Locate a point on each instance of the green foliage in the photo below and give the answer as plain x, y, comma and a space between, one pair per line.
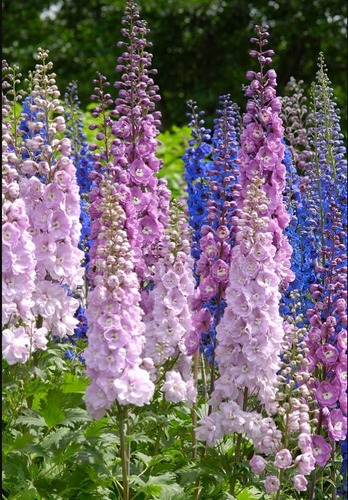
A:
52, 449
174, 143
200, 46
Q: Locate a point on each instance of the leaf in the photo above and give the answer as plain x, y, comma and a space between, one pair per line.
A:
31, 418
74, 384
250, 493
51, 408
188, 475
54, 438
96, 428
75, 416
139, 437
144, 458
169, 489
29, 492
21, 442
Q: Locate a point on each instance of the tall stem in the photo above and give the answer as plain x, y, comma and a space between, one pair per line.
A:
122, 418
333, 472
160, 428
238, 445
194, 406
314, 480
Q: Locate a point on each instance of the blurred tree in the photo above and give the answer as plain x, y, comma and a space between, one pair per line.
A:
200, 46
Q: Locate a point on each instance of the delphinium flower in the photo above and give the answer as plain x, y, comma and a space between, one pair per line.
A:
251, 331
293, 457
217, 232
169, 318
328, 216
327, 337
116, 330
83, 160
132, 150
80, 154
198, 161
295, 116
303, 255
20, 335
327, 169
48, 187
344, 468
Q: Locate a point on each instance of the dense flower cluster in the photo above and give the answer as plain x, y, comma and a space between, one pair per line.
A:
293, 201
254, 275
301, 234
80, 154
51, 195
295, 117
217, 232
293, 458
116, 331
327, 170
132, 150
326, 339
83, 161
20, 335
169, 318
251, 332
198, 162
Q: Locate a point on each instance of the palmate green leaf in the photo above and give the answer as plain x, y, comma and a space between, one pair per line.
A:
109, 439
54, 438
74, 384
139, 437
76, 416
250, 493
15, 470
21, 442
28, 492
31, 418
66, 453
187, 474
145, 459
38, 397
228, 496
96, 427
51, 407
170, 490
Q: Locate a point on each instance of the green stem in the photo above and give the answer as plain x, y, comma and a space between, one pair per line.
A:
160, 428
204, 378
194, 407
238, 446
280, 476
314, 480
122, 418
333, 472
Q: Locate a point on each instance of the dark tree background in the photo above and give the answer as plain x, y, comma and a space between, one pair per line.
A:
200, 46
